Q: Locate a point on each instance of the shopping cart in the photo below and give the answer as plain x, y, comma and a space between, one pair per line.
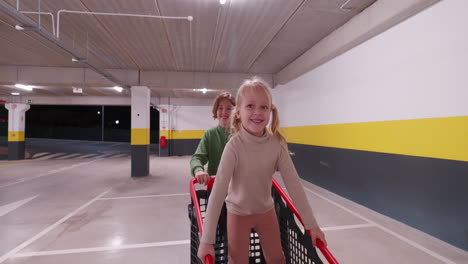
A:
297, 244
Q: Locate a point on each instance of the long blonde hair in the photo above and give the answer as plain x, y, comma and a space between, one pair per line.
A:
251, 85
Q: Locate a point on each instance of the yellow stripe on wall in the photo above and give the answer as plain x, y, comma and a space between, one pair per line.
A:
14, 136
444, 138
183, 134
140, 136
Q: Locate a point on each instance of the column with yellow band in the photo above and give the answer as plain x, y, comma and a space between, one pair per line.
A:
16, 127
140, 135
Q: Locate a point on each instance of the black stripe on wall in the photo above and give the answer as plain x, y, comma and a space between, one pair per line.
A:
182, 147
426, 193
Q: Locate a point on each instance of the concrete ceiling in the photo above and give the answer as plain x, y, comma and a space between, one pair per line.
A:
221, 46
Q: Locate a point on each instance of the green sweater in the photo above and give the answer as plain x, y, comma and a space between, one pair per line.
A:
209, 150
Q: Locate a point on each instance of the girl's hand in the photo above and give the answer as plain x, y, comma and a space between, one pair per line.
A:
315, 233
205, 249
202, 177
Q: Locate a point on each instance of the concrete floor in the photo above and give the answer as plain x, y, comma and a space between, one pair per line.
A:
89, 210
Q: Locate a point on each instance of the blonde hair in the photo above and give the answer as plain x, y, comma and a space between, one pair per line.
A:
252, 85
217, 101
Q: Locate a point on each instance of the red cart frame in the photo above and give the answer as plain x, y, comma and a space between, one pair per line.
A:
297, 245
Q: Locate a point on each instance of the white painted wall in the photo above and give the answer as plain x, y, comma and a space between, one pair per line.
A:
192, 118
417, 69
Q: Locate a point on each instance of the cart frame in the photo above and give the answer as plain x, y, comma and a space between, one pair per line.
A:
296, 244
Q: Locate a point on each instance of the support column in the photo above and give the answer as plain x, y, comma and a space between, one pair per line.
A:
140, 136
16, 121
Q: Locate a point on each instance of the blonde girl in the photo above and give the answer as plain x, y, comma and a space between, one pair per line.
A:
244, 176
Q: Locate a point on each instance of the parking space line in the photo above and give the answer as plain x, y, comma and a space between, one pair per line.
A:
144, 196
99, 249
47, 173
412, 243
26, 243
332, 228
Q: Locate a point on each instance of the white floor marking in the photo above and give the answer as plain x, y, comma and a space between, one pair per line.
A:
49, 156
414, 244
98, 249
38, 155
331, 228
69, 156
145, 196
5, 209
48, 229
47, 173
87, 155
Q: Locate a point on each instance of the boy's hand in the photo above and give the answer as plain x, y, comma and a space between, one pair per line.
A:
315, 233
202, 177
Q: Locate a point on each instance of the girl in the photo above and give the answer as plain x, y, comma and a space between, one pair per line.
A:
212, 144
244, 176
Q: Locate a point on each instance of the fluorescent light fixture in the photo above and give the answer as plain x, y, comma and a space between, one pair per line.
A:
79, 60
222, 2
24, 86
203, 90
118, 88
25, 28
77, 90
15, 93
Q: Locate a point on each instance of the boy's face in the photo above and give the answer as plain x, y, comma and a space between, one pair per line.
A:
254, 111
224, 112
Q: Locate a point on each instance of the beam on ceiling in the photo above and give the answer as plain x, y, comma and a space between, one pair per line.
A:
23, 20
66, 76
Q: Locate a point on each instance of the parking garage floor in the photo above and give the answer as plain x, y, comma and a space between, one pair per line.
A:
87, 209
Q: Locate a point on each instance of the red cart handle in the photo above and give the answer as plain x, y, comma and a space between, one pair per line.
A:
209, 259
193, 193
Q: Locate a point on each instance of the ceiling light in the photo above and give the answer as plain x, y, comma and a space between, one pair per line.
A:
79, 60
204, 90
15, 93
222, 2
77, 90
25, 28
23, 86
118, 88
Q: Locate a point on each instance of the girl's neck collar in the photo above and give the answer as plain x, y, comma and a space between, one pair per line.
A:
252, 137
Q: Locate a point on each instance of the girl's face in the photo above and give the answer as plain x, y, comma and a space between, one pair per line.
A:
224, 112
254, 111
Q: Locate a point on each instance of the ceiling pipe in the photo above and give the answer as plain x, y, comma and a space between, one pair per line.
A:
38, 13
43, 13
189, 18
26, 21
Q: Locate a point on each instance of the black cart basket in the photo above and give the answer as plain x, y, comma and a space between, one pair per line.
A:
296, 243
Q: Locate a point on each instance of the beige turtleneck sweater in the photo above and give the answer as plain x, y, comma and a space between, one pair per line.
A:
244, 179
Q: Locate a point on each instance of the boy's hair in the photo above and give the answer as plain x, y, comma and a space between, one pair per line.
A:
258, 84
217, 101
